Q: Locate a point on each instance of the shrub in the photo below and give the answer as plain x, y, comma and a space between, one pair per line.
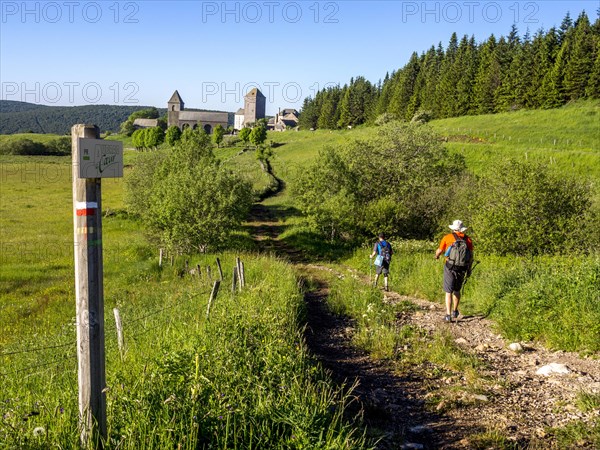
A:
524, 209
395, 182
172, 135
422, 116
384, 118
185, 197
245, 135
59, 147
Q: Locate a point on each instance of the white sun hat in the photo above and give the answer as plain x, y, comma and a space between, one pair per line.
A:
457, 225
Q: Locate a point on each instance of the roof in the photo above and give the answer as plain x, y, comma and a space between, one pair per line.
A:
146, 123
240, 111
290, 116
285, 112
255, 93
203, 116
175, 98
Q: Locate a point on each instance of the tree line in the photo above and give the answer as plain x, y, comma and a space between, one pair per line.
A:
545, 70
21, 117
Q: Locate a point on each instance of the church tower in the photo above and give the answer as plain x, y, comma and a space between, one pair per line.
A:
254, 106
174, 106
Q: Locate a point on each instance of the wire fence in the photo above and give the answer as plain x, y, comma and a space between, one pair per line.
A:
551, 141
136, 326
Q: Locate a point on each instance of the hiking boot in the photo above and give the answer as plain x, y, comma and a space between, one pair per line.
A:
455, 314
387, 289
448, 318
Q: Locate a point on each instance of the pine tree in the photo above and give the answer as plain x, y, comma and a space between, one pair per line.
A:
430, 101
445, 92
503, 56
565, 28
328, 116
593, 87
578, 68
309, 114
487, 78
546, 59
554, 82
404, 88
385, 95
466, 71
506, 96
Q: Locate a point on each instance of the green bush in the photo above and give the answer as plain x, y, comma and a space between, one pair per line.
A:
58, 147
172, 135
395, 182
525, 209
185, 197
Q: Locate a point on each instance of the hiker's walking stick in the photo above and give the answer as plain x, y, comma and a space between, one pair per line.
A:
370, 271
467, 278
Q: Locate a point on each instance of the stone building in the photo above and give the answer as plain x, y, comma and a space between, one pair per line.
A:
283, 120
254, 109
177, 115
145, 123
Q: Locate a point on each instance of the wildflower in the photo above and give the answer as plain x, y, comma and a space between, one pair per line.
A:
39, 431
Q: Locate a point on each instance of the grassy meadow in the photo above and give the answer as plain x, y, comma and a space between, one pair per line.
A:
243, 378
567, 138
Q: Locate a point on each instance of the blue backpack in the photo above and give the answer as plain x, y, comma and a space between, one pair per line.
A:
384, 249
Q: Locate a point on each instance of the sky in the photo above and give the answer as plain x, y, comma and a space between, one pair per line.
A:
68, 53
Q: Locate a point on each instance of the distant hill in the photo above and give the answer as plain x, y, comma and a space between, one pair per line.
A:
22, 117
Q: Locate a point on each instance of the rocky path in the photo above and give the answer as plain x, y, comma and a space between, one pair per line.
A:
514, 399
405, 409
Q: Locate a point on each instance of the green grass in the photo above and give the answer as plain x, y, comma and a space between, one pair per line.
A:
244, 163
241, 379
250, 348
566, 138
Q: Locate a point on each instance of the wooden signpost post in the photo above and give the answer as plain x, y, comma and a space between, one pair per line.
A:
93, 159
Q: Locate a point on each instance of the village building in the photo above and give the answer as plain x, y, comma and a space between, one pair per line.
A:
144, 123
254, 109
182, 118
283, 120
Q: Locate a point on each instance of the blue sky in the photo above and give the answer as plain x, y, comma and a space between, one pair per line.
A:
139, 52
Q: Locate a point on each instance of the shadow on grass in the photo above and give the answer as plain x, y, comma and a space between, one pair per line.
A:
314, 247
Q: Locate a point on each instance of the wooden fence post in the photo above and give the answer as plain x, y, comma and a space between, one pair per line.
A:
89, 294
213, 296
235, 277
160, 257
119, 326
220, 269
242, 275
199, 271
208, 273
238, 265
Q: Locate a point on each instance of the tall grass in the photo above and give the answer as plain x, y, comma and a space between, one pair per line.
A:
240, 379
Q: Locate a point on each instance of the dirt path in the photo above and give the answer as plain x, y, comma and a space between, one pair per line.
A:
405, 406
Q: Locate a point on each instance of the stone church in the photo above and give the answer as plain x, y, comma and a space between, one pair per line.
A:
253, 110
177, 115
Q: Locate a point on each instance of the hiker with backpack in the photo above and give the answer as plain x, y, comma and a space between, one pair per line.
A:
383, 250
458, 249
